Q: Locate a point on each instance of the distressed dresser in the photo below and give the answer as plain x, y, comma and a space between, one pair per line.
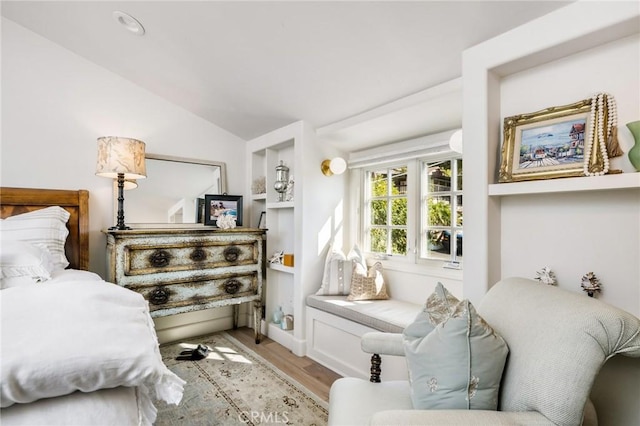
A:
187, 269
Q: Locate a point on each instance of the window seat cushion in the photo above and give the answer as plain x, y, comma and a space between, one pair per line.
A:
390, 315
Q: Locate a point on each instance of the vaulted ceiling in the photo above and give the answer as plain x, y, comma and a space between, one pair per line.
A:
252, 67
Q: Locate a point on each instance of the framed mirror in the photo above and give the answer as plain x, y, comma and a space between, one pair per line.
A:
173, 191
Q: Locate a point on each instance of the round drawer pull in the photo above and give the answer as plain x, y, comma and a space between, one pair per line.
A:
160, 258
198, 255
232, 286
159, 296
231, 253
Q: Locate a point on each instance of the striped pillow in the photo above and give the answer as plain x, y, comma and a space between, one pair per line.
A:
20, 259
336, 280
44, 228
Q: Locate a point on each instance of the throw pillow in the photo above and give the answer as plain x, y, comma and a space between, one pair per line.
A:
20, 259
10, 282
336, 280
458, 365
368, 285
438, 308
45, 227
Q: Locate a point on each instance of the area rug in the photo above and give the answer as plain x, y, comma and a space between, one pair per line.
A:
236, 386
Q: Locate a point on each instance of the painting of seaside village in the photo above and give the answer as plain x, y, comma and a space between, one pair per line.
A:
553, 145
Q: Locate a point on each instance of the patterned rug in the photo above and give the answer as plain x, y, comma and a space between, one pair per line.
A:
235, 386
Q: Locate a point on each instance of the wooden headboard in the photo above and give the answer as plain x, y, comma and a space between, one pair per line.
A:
15, 201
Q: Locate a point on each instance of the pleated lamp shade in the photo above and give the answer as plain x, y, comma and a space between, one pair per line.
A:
121, 155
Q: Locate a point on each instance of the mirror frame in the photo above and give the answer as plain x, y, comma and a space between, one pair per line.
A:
222, 165
150, 156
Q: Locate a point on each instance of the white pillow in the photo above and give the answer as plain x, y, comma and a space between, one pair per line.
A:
21, 259
45, 227
338, 269
16, 282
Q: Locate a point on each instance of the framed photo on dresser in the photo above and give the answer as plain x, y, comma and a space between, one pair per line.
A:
219, 205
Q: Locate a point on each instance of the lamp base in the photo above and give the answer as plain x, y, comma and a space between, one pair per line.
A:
119, 228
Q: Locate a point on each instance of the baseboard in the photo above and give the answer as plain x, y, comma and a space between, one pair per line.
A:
277, 334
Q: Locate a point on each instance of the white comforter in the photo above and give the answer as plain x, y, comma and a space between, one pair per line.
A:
64, 336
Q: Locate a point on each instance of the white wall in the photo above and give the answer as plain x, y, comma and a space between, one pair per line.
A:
54, 106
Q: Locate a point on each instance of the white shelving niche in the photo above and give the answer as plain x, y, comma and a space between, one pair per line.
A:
304, 226
498, 79
266, 153
518, 227
287, 286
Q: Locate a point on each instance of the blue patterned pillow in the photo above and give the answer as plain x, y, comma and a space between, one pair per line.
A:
438, 308
458, 364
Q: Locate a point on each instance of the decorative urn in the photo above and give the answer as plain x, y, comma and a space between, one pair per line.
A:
282, 180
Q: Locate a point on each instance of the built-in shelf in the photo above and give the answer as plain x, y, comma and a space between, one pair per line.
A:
574, 184
281, 268
280, 205
285, 287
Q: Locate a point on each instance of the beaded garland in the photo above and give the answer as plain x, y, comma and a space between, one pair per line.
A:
598, 135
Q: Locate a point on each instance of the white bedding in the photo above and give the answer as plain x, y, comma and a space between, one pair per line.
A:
73, 334
117, 407
72, 275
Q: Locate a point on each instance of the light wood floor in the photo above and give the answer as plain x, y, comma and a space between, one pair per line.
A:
313, 376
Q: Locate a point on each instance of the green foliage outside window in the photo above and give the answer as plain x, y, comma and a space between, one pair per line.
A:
379, 214
439, 213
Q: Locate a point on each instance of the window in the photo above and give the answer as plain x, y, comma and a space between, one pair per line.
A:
417, 219
386, 211
441, 209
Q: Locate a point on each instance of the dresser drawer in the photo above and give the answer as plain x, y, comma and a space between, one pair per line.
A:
186, 269
199, 293
143, 259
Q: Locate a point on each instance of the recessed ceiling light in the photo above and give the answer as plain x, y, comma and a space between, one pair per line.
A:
129, 22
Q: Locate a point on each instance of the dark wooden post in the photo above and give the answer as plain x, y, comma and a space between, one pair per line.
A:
375, 368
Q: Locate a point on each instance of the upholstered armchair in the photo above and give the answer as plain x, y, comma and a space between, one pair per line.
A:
558, 341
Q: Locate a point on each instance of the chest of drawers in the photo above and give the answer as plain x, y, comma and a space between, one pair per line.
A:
187, 269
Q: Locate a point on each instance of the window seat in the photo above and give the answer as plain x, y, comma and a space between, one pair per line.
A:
390, 315
335, 326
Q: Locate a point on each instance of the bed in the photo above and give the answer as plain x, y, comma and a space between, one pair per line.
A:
74, 349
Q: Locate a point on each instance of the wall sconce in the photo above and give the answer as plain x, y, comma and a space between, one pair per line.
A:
121, 159
335, 166
455, 141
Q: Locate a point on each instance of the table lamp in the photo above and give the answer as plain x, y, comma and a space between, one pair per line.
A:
122, 159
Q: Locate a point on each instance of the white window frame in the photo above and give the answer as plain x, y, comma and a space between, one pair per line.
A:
453, 193
365, 208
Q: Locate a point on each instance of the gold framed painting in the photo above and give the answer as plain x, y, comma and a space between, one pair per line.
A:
546, 144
